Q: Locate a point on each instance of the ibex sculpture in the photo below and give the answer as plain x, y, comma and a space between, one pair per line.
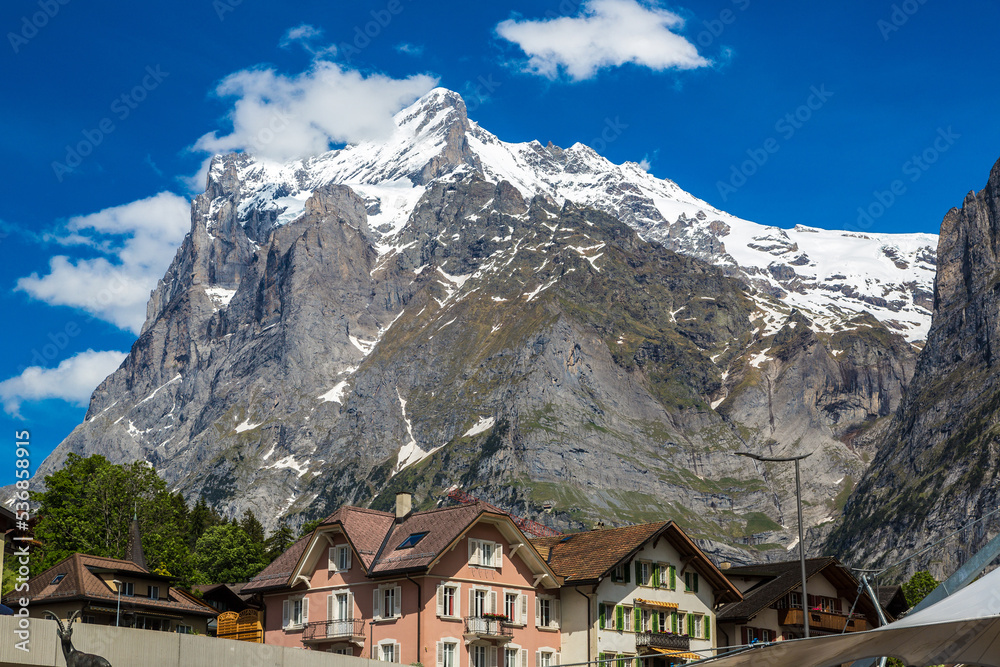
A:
73, 657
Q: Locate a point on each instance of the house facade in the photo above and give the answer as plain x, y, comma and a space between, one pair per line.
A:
771, 609
453, 587
639, 595
110, 591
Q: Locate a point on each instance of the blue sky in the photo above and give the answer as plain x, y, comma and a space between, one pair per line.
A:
794, 114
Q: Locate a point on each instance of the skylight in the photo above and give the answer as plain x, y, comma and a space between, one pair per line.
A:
412, 540
59, 577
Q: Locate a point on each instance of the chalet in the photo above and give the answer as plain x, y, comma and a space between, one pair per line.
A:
110, 591
771, 608
643, 590
454, 587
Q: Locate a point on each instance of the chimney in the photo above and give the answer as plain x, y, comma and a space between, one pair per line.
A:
404, 505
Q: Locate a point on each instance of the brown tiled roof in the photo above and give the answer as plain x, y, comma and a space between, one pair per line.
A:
236, 590
589, 556
376, 537
780, 579
276, 574
443, 526
365, 529
80, 583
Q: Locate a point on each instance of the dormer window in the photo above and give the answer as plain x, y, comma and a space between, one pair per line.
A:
412, 540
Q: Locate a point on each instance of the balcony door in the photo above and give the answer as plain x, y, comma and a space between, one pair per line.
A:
340, 615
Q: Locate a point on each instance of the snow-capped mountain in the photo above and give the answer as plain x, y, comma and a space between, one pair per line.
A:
444, 308
830, 275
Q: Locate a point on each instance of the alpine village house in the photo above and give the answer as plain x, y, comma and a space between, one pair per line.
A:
110, 591
462, 586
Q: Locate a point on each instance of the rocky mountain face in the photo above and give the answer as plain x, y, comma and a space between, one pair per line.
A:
443, 309
937, 469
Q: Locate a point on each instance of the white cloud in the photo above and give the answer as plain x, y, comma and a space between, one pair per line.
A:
281, 117
137, 242
74, 380
410, 49
300, 33
607, 33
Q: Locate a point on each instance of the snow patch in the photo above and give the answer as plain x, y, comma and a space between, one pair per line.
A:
484, 424
336, 394
176, 378
245, 425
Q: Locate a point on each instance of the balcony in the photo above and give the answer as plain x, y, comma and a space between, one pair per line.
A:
483, 627
821, 620
662, 640
351, 629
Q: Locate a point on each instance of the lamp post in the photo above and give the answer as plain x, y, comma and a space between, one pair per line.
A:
118, 613
798, 500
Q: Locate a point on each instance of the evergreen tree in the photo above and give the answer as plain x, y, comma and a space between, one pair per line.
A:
252, 527
279, 542
201, 518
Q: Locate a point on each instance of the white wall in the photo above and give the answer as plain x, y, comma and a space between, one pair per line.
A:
123, 647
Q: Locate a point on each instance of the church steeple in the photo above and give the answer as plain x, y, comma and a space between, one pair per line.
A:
133, 550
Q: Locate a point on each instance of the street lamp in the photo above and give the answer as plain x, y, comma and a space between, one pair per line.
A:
118, 614
798, 500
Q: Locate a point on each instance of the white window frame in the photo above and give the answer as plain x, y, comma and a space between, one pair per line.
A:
339, 558
646, 572
388, 643
555, 612
553, 656
154, 592
456, 590
128, 589
519, 653
489, 654
476, 554
378, 601
520, 616
456, 652
288, 622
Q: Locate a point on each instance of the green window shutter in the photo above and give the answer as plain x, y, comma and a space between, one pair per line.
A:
619, 617
690, 624
673, 578
626, 570
673, 622
708, 627
601, 614
638, 574
656, 576
694, 579
636, 619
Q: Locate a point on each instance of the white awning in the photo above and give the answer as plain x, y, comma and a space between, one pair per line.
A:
962, 628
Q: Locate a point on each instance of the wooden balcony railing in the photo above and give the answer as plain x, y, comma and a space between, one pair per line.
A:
821, 620
662, 640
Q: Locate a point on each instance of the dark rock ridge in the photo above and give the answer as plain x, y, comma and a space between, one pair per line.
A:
937, 469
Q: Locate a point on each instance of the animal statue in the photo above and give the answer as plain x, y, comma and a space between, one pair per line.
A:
73, 657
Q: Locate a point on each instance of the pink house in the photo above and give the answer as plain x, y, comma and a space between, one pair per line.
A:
452, 587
